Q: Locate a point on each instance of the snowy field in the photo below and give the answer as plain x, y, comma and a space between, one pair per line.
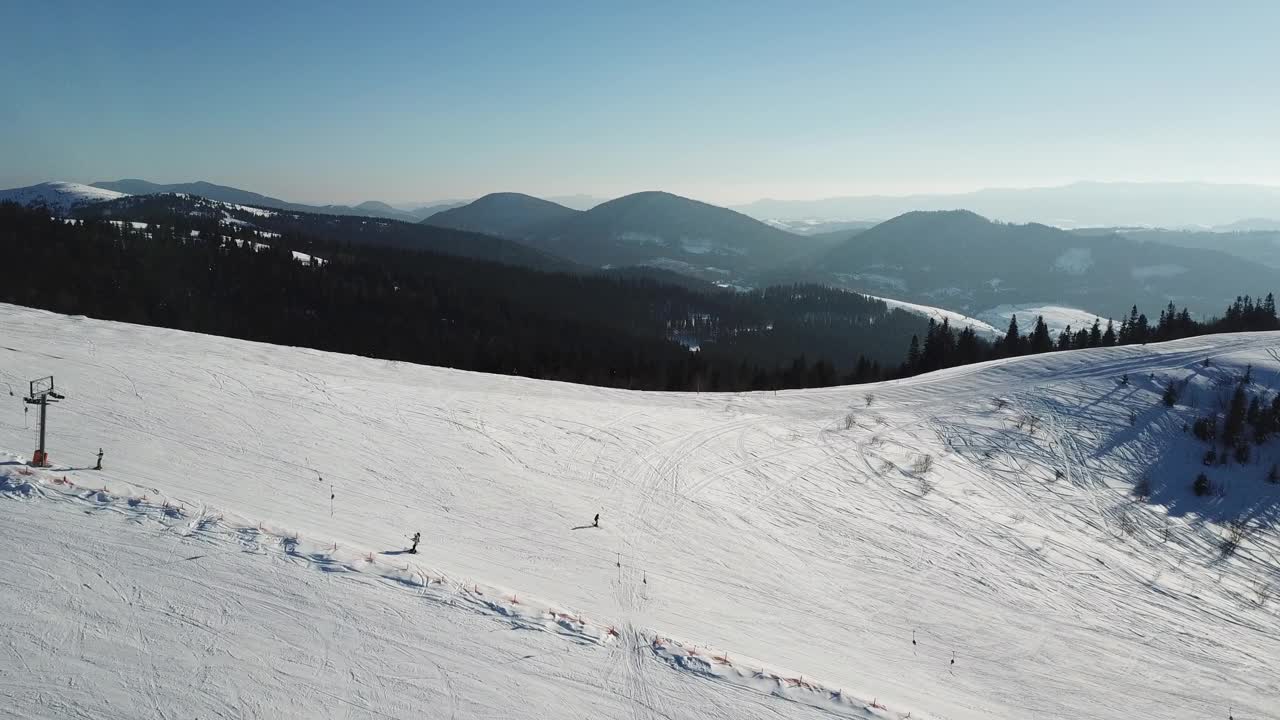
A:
759, 555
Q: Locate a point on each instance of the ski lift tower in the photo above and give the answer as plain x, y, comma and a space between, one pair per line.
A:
42, 393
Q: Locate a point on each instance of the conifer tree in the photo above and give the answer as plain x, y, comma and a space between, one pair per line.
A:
913, 354
1040, 341
1237, 414
1064, 338
1109, 337
967, 347
1142, 331
1012, 338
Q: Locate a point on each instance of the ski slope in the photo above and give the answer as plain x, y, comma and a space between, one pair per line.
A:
758, 555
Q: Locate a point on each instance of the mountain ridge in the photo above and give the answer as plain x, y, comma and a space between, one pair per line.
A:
59, 195
226, 193
506, 214
1079, 204
965, 262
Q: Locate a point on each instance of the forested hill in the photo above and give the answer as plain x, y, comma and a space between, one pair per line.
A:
185, 212
205, 274
969, 263
506, 214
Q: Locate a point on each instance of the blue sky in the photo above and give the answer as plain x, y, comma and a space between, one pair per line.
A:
726, 102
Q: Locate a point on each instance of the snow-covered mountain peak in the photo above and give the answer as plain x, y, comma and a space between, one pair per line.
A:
58, 195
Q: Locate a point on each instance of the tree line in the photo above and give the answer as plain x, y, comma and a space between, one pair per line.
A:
944, 346
204, 275
628, 330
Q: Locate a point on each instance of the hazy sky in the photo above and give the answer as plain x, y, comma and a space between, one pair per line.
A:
726, 102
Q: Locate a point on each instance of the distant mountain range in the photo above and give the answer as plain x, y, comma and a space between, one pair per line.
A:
957, 260
371, 208
965, 262
1261, 246
577, 202
1081, 204
411, 212
814, 227
656, 229
183, 210
423, 212
1250, 225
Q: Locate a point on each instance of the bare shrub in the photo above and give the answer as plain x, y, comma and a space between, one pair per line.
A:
869, 399
850, 422
1126, 523
1202, 487
1264, 591
1000, 403
1237, 532
922, 465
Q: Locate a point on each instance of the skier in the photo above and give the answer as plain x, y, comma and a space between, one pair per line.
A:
414, 549
99, 465
596, 523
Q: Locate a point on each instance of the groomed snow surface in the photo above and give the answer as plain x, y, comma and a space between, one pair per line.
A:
758, 555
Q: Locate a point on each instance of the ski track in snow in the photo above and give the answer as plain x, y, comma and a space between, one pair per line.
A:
733, 527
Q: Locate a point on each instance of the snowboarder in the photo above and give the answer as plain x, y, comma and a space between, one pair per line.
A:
596, 523
413, 550
99, 465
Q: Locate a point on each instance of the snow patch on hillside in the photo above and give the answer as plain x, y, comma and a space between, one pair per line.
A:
58, 196
1056, 317
260, 212
959, 321
306, 259
1147, 272
1075, 261
639, 238
873, 280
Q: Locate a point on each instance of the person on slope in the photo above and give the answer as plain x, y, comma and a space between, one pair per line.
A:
413, 550
596, 522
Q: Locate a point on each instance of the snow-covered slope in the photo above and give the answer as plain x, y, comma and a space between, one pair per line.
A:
758, 555
1056, 317
959, 321
60, 196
